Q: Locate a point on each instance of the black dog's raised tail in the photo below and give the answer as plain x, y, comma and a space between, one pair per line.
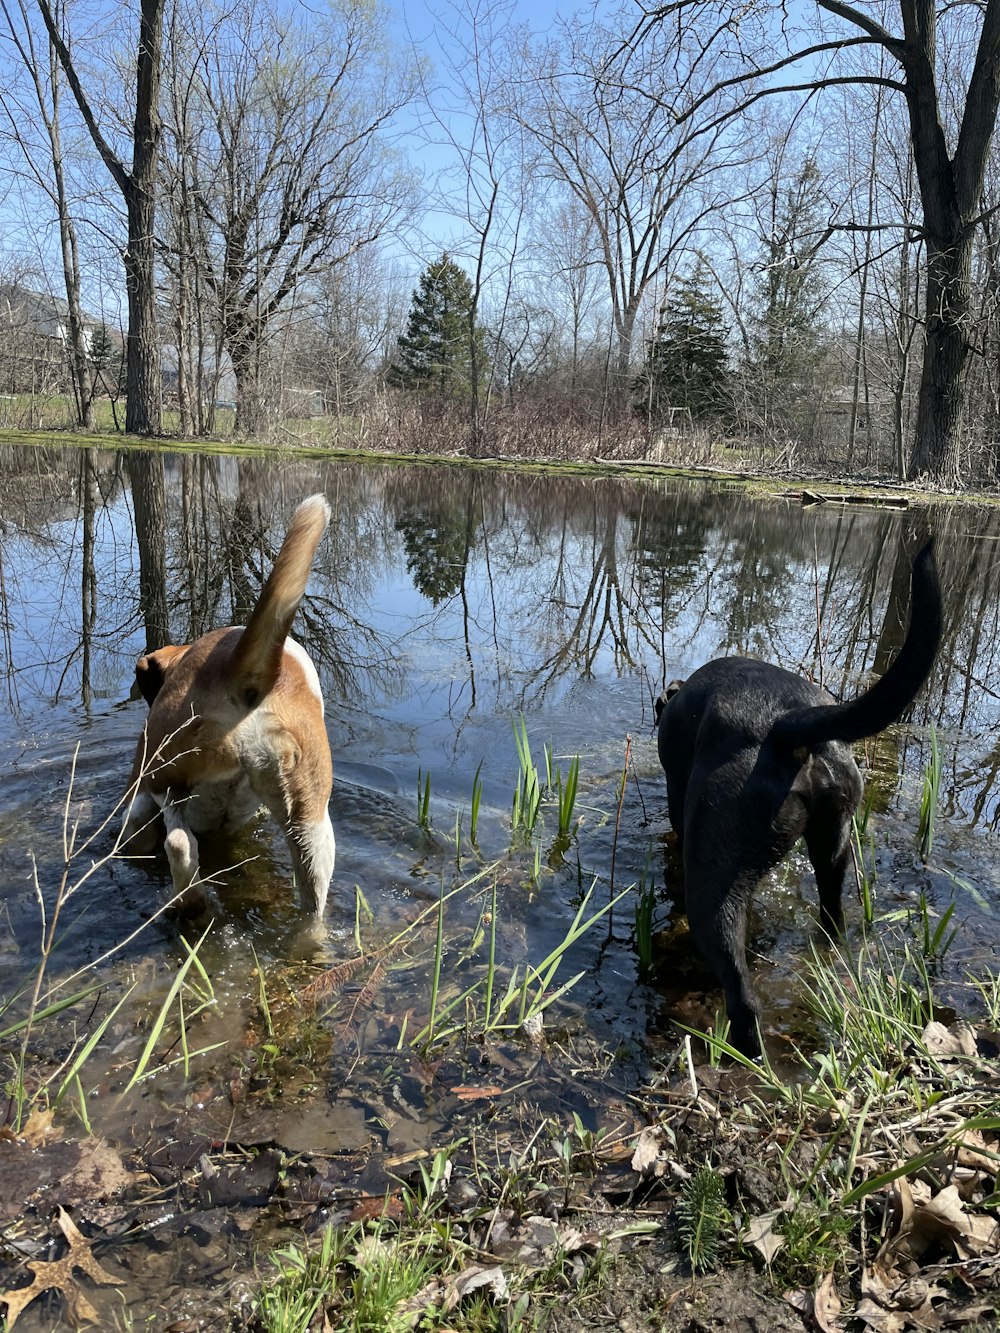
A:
880, 706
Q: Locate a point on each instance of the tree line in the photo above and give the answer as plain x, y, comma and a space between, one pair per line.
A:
642, 232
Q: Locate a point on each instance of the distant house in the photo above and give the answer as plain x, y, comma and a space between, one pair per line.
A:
38, 314
34, 339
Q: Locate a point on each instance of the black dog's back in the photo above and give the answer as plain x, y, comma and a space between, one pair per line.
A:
756, 757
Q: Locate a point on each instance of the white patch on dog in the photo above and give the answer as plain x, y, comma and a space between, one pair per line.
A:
305, 662
315, 849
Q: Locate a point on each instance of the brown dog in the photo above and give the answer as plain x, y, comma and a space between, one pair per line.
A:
236, 722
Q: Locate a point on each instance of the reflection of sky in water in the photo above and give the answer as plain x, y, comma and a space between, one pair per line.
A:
554, 597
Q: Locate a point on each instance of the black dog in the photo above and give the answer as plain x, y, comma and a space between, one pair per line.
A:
755, 757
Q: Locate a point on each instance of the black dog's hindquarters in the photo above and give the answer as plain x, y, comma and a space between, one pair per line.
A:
756, 757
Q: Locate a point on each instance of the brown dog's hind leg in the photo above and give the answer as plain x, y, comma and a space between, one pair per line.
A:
313, 850
182, 854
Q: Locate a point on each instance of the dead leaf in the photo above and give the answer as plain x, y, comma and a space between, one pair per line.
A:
421, 1302
969, 1315
473, 1278
877, 1318
943, 1218
647, 1159
826, 1305
800, 1300
957, 1040
974, 1151
761, 1236
59, 1276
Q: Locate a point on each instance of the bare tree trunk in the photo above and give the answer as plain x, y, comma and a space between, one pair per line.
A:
149, 504
945, 369
143, 412
88, 571
50, 115
859, 344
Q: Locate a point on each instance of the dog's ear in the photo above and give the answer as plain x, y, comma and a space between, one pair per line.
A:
151, 670
661, 703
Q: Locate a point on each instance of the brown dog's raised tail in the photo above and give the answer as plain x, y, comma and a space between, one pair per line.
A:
883, 704
256, 660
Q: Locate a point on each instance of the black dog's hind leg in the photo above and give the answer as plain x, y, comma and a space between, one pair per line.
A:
828, 841
719, 927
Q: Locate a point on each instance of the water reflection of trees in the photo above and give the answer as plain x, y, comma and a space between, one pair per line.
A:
101, 553
562, 577
535, 582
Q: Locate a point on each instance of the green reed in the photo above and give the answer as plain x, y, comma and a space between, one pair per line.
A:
929, 797
566, 795
477, 800
424, 800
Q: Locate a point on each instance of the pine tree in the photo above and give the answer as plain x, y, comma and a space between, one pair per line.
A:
434, 355
107, 359
686, 363
789, 344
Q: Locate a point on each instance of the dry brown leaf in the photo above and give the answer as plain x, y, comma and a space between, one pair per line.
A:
800, 1300
901, 1208
647, 1159
826, 1305
956, 1040
877, 1318
969, 1314
973, 1150
972, 1234
59, 1276
426, 1299
761, 1235
472, 1279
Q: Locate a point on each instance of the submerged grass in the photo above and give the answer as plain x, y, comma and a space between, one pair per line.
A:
45, 999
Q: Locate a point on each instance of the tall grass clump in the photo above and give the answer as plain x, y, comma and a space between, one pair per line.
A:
527, 793
873, 1007
495, 1001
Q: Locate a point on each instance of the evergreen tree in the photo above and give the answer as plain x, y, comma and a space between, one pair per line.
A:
789, 345
686, 361
434, 355
108, 360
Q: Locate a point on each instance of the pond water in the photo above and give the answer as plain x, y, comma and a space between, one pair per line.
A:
446, 604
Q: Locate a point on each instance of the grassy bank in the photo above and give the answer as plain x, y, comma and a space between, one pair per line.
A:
740, 470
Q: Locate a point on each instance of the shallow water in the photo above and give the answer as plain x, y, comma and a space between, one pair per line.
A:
444, 604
